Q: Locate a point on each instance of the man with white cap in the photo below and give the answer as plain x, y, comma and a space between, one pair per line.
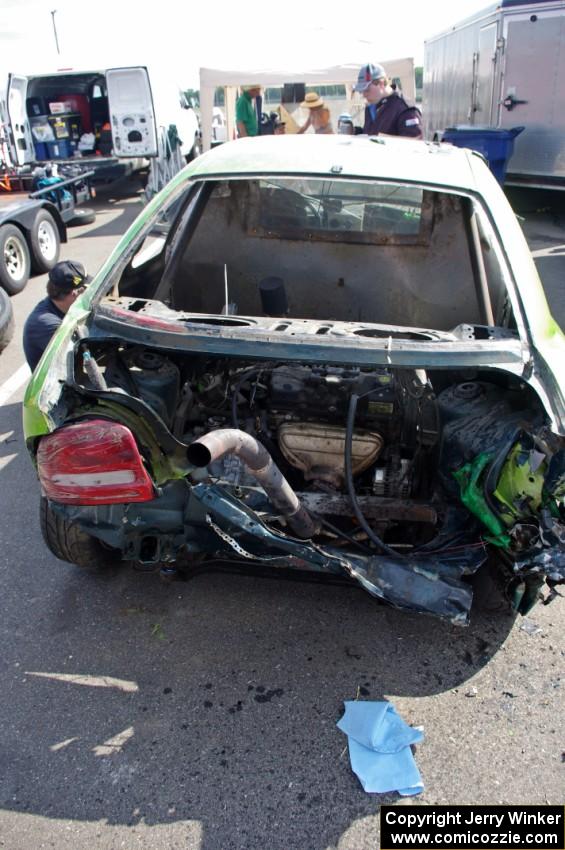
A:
386, 111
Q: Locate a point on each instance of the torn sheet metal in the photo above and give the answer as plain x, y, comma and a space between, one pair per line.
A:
429, 583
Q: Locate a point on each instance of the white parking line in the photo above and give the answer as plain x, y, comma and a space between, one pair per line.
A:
550, 251
9, 387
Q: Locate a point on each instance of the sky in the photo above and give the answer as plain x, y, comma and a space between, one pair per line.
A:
182, 37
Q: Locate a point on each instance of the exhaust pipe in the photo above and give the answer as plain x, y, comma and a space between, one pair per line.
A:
225, 441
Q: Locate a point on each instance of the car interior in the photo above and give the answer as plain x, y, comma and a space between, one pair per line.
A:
349, 251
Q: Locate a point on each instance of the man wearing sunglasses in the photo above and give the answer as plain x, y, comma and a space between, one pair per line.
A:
66, 281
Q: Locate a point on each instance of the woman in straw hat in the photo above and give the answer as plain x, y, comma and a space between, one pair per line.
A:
319, 115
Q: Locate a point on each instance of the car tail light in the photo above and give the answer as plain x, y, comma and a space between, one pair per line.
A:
96, 462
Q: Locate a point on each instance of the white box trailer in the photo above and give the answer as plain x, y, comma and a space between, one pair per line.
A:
134, 105
504, 67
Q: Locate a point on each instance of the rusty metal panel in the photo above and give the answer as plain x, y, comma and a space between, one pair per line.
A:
381, 508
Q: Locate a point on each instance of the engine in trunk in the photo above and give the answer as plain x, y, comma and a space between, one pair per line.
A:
299, 413
403, 479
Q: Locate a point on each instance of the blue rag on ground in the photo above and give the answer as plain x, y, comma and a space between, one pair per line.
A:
379, 747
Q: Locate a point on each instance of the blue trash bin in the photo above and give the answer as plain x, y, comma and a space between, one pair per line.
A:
496, 145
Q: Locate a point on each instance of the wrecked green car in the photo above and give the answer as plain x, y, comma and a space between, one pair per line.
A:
321, 353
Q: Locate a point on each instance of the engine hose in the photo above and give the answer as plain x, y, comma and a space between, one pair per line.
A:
384, 549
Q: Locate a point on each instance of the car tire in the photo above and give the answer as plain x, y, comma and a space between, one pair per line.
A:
44, 242
15, 263
68, 542
6, 319
83, 215
490, 590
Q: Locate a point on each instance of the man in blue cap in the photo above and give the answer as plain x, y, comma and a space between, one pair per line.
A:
386, 111
66, 281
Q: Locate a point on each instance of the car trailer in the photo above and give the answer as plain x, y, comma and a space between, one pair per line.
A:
32, 229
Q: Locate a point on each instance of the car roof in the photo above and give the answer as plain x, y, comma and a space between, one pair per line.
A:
386, 157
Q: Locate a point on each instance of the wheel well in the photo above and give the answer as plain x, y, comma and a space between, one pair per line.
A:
15, 223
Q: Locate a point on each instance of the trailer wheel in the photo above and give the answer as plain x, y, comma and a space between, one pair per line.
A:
44, 242
15, 264
83, 215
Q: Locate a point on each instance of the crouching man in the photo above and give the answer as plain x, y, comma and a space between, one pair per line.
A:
66, 281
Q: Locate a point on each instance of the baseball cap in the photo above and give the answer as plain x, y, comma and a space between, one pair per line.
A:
367, 75
69, 275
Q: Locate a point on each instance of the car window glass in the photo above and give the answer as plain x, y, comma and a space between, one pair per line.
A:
376, 210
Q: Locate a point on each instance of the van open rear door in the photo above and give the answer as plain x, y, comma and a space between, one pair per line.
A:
132, 116
21, 133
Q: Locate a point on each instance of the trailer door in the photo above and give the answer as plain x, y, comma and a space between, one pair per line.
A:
21, 133
132, 116
485, 71
532, 91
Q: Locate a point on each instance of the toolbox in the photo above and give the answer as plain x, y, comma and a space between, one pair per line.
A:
66, 126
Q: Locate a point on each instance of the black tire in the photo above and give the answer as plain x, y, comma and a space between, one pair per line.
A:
15, 263
490, 589
68, 542
83, 215
44, 242
6, 319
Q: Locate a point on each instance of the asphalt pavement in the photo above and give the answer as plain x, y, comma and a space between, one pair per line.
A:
201, 714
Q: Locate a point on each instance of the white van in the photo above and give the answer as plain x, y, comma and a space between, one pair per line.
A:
111, 120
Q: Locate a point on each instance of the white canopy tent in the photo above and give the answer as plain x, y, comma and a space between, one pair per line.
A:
231, 80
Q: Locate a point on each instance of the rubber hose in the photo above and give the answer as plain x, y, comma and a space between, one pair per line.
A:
384, 549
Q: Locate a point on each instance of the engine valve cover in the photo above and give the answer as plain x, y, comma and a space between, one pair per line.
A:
319, 450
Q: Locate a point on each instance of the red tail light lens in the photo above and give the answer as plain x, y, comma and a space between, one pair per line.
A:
93, 463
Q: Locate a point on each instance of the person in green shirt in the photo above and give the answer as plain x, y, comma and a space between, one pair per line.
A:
245, 112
